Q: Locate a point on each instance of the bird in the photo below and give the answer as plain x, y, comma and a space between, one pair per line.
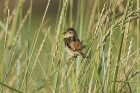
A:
72, 44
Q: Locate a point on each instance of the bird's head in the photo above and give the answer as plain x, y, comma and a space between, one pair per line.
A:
70, 32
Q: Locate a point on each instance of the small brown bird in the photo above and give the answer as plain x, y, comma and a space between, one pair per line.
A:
72, 44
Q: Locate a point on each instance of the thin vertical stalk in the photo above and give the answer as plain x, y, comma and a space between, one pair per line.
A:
19, 48
80, 20
138, 41
101, 51
81, 6
108, 66
71, 12
28, 44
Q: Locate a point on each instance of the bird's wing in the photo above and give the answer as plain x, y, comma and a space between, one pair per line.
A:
73, 43
77, 44
68, 43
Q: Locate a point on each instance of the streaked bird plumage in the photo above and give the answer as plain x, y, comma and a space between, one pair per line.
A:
72, 44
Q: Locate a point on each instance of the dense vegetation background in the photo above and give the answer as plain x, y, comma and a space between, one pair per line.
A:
33, 59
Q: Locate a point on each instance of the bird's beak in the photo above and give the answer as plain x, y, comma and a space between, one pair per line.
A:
64, 33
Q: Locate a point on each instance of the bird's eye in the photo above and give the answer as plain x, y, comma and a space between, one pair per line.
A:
70, 32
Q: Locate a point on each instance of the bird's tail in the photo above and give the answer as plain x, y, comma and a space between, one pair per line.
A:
83, 55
